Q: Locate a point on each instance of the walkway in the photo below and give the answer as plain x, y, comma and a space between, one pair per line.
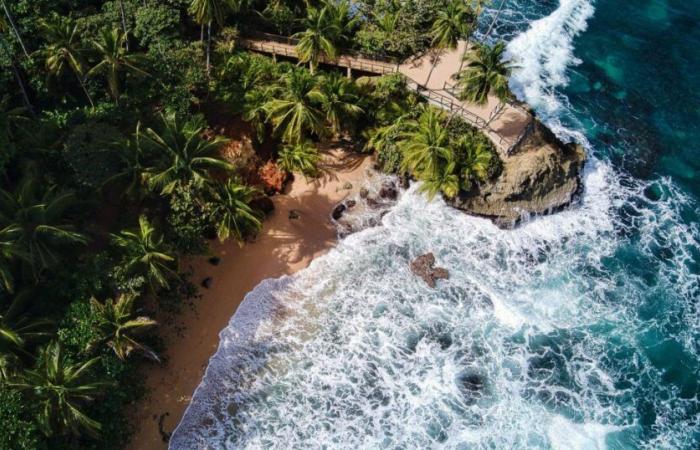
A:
505, 124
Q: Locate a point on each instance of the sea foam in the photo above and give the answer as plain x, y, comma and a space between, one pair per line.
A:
539, 339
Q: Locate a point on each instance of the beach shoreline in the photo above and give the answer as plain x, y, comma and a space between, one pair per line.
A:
284, 246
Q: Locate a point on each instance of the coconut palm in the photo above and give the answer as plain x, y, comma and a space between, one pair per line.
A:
426, 146
60, 389
115, 59
232, 212
130, 178
476, 159
254, 112
186, 157
317, 41
33, 219
208, 11
119, 327
340, 15
17, 331
445, 180
453, 23
295, 112
486, 73
63, 50
146, 253
339, 101
7, 255
302, 157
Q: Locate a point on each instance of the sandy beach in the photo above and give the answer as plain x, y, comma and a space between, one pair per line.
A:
283, 247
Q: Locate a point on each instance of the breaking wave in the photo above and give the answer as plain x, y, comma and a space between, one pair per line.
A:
575, 331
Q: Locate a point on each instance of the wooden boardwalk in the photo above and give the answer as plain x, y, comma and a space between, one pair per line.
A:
506, 124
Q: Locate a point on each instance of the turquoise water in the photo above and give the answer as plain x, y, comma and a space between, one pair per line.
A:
575, 331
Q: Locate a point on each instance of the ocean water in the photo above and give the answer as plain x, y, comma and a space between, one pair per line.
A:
579, 330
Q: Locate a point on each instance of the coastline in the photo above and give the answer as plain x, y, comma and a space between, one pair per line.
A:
283, 247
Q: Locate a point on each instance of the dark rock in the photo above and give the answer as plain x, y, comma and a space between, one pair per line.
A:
364, 193
389, 191
338, 211
404, 182
214, 260
350, 204
294, 214
347, 185
263, 204
206, 283
424, 267
372, 203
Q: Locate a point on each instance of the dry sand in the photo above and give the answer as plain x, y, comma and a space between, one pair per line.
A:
283, 247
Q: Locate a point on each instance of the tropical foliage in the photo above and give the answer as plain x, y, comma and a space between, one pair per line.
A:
486, 74
120, 125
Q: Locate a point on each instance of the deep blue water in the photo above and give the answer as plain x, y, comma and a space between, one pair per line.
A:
579, 330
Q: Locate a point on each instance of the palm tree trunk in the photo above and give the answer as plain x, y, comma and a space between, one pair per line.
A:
22, 88
18, 77
82, 85
121, 11
208, 47
14, 28
495, 18
201, 32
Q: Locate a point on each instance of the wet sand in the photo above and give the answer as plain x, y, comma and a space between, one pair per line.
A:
283, 247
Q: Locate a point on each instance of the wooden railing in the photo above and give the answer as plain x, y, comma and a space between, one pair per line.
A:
285, 46
371, 66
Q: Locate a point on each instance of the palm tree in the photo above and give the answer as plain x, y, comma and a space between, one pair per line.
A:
115, 59
426, 146
7, 254
295, 113
340, 12
186, 155
486, 73
302, 157
254, 112
232, 212
119, 327
17, 330
60, 389
33, 219
475, 160
317, 41
131, 178
445, 181
64, 50
452, 24
147, 254
339, 101
206, 12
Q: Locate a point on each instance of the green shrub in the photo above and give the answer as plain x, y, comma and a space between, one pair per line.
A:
17, 430
90, 151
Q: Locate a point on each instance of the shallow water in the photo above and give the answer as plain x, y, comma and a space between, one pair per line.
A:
578, 330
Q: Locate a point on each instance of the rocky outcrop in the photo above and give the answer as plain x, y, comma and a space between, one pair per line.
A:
424, 267
542, 177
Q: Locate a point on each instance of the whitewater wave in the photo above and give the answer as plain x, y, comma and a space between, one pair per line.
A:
543, 337
355, 352
544, 53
